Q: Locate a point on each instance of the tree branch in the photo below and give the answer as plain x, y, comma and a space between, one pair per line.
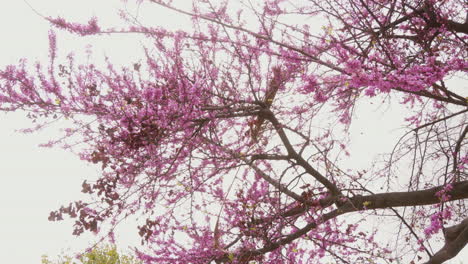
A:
299, 159
382, 201
456, 237
414, 198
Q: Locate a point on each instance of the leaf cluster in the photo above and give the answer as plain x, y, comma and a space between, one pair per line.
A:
106, 254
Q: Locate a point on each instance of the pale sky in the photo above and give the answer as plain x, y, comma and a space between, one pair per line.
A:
35, 180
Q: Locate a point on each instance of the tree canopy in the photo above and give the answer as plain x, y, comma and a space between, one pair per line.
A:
230, 139
102, 254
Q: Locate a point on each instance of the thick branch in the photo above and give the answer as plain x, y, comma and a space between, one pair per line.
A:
299, 159
251, 254
269, 157
414, 198
456, 237
458, 27
380, 201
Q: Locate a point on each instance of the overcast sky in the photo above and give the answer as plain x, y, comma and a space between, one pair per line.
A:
35, 180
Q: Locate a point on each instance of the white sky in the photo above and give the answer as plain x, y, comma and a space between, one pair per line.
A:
35, 180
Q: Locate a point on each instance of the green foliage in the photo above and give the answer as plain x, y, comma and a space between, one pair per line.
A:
100, 255
60, 260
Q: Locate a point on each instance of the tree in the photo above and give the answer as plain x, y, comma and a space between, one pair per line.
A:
232, 136
104, 254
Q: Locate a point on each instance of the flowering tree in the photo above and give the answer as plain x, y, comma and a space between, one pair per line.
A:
230, 139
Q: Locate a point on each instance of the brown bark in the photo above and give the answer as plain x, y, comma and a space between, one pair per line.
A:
458, 235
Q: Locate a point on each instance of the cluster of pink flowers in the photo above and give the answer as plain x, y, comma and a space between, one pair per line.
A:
232, 135
437, 220
444, 194
77, 28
